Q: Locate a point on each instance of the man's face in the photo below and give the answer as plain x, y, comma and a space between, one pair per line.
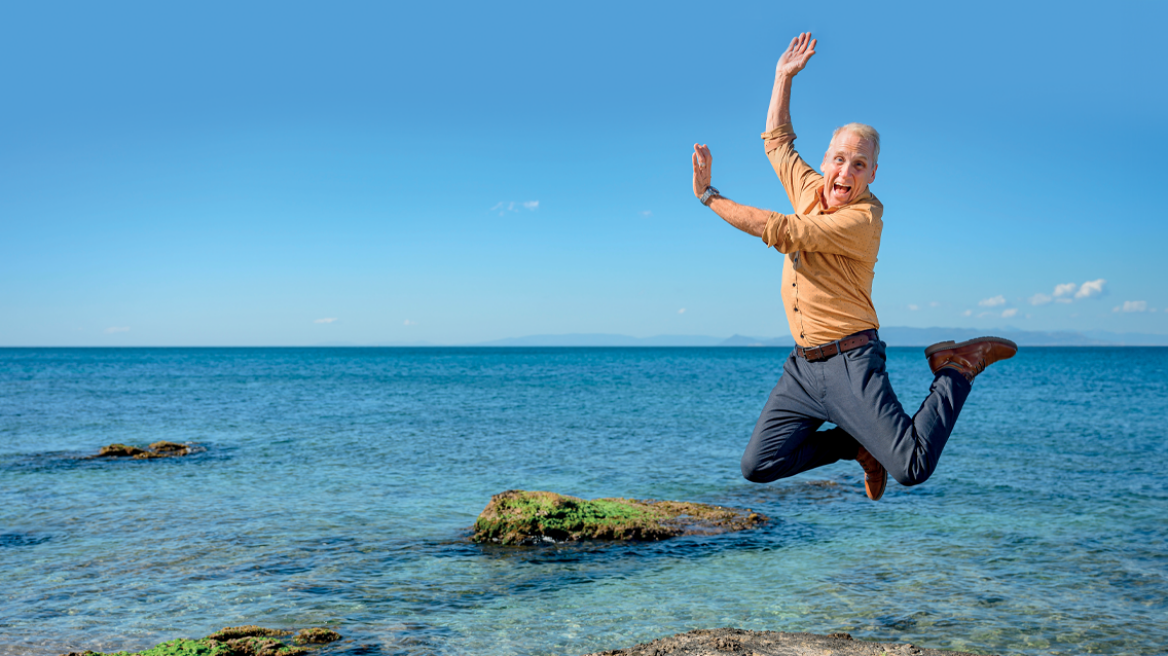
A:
848, 168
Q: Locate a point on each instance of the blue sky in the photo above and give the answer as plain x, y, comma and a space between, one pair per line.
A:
297, 173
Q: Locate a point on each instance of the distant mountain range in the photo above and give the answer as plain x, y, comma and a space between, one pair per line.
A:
892, 335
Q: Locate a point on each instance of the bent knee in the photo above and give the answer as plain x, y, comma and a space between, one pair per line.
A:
759, 472
910, 478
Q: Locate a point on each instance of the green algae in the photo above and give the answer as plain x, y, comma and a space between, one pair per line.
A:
231, 641
529, 517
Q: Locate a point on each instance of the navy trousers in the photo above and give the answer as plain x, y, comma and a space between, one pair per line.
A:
850, 390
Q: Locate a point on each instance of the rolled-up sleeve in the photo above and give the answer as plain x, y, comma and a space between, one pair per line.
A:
852, 232
795, 174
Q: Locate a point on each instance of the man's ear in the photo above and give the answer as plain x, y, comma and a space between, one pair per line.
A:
872, 176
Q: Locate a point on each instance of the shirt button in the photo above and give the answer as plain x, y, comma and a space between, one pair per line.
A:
796, 309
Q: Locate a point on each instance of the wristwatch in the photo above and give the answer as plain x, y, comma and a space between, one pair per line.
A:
710, 192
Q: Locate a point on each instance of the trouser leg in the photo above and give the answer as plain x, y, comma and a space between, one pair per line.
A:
786, 439
861, 401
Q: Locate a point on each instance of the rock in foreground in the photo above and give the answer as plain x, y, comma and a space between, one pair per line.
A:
232, 641
157, 450
720, 642
524, 517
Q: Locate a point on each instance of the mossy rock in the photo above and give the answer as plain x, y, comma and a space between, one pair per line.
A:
119, 451
316, 636
249, 631
170, 448
209, 647
231, 641
529, 517
157, 450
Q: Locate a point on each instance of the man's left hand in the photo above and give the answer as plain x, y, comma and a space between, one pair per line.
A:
702, 162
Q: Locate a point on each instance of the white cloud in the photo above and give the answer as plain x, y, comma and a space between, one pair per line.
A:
1006, 314
1069, 291
504, 206
993, 302
407, 322
967, 313
1131, 306
681, 311
1091, 288
913, 307
934, 304
1039, 299
117, 329
646, 213
328, 320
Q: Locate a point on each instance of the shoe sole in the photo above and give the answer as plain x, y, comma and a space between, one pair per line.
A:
944, 346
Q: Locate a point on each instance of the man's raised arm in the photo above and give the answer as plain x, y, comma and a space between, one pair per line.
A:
750, 220
790, 63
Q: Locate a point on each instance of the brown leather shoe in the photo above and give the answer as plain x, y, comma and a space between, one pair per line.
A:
970, 357
875, 475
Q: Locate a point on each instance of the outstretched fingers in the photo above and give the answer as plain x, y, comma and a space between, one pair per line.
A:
795, 57
701, 157
808, 51
701, 169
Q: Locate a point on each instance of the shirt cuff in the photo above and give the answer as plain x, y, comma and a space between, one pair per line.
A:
784, 130
773, 234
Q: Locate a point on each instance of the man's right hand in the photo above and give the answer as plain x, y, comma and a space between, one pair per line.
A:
796, 56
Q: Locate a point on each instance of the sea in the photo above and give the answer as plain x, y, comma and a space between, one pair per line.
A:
337, 487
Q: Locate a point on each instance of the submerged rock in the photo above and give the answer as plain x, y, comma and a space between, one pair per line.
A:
249, 631
231, 641
157, 450
315, 636
170, 448
119, 451
712, 642
529, 517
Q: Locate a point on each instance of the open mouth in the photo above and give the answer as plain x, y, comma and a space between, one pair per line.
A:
840, 189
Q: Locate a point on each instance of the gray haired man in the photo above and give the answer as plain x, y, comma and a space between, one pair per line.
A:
837, 372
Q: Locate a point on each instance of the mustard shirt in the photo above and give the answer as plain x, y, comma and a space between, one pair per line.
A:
831, 254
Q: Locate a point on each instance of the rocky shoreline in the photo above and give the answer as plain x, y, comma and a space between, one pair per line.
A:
738, 642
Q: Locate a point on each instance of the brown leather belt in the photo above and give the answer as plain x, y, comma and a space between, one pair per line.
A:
830, 349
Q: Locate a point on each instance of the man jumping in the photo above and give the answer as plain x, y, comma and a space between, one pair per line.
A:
836, 373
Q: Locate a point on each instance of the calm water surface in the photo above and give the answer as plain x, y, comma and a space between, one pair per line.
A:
338, 485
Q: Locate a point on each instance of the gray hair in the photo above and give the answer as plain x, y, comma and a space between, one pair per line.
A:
866, 132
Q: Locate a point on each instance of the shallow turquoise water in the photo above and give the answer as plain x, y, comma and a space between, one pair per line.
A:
337, 486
